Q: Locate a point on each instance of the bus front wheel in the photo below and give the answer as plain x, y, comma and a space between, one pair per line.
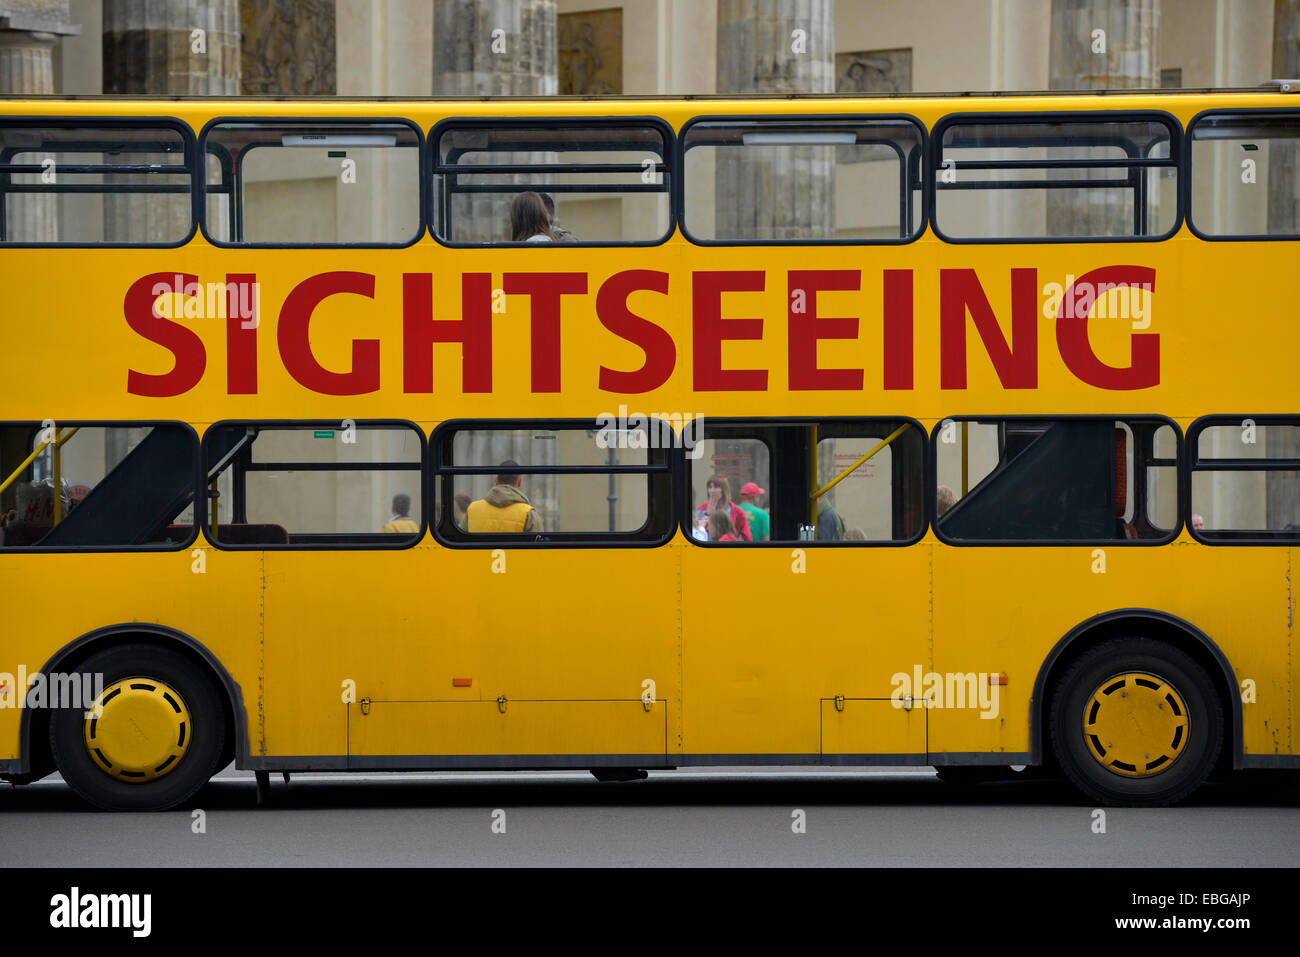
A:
151, 737
1136, 722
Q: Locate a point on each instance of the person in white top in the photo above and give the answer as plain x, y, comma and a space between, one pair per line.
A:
528, 220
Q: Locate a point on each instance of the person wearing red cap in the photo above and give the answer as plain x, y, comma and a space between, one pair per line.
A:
760, 525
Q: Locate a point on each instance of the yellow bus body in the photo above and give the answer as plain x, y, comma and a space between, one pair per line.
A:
753, 659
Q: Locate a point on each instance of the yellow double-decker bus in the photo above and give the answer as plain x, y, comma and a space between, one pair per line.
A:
627, 434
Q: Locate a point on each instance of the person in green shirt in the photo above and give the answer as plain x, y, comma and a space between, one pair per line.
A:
760, 525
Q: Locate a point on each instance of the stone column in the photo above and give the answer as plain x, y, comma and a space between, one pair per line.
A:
494, 48
288, 55
28, 31
1282, 491
25, 68
1100, 45
188, 48
776, 47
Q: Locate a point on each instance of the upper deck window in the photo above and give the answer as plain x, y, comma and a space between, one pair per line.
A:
802, 180
312, 184
606, 182
1074, 177
82, 185
1246, 175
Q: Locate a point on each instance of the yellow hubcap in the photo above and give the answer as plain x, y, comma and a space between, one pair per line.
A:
138, 730
1135, 724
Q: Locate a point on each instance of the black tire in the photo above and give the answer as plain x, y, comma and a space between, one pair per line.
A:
1190, 766
206, 728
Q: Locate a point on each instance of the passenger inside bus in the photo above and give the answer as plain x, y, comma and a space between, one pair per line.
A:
505, 508
529, 222
561, 234
402, 523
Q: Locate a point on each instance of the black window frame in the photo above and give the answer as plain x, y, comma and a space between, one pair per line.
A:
1138, 164
1193, 461
444, 474
373, 540
1170, 535
433, 167
776, 421
907, 172
188, 542
190, 167
236, 193
1185, 188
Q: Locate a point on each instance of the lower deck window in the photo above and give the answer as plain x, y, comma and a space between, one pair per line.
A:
1064, 480
554, 483
74, 485
314, 484
834, 480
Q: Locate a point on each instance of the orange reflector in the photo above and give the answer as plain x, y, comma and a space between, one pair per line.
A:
998, 679
461, 682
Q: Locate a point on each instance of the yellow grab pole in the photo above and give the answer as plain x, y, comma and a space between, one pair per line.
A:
965, 461
839, 478
812, 480
32, 458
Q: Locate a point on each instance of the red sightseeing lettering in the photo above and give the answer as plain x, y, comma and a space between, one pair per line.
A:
186, 347
1143, 370
1016, 363
653, 340
709, 329
295, 342
806, 328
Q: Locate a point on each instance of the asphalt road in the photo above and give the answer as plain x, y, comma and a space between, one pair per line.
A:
702, 817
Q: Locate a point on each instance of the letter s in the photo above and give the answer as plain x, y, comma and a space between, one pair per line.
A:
184, 344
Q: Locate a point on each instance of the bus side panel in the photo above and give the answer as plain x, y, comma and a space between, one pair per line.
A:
1003, 610
773, 633
433, 627
212, 597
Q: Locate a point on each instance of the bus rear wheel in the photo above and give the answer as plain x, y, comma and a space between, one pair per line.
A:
151, 738
1136, 722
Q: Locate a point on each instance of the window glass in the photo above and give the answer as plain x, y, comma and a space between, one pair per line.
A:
312, 184
1246, 174
739, 468
86, 185
795, 180
1078, 178
1055, 481
1246, 480
96, 486
315, 484
578, 184
838, 480
611, 482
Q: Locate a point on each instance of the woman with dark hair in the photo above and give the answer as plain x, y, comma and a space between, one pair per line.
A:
528, 220
719, 500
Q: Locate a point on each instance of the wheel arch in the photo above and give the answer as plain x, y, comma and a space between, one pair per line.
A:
77, 650
1149, 623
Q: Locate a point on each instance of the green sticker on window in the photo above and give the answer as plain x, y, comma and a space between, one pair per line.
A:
323, 434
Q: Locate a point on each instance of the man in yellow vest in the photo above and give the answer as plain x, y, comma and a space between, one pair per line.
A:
505, 508
402, 522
